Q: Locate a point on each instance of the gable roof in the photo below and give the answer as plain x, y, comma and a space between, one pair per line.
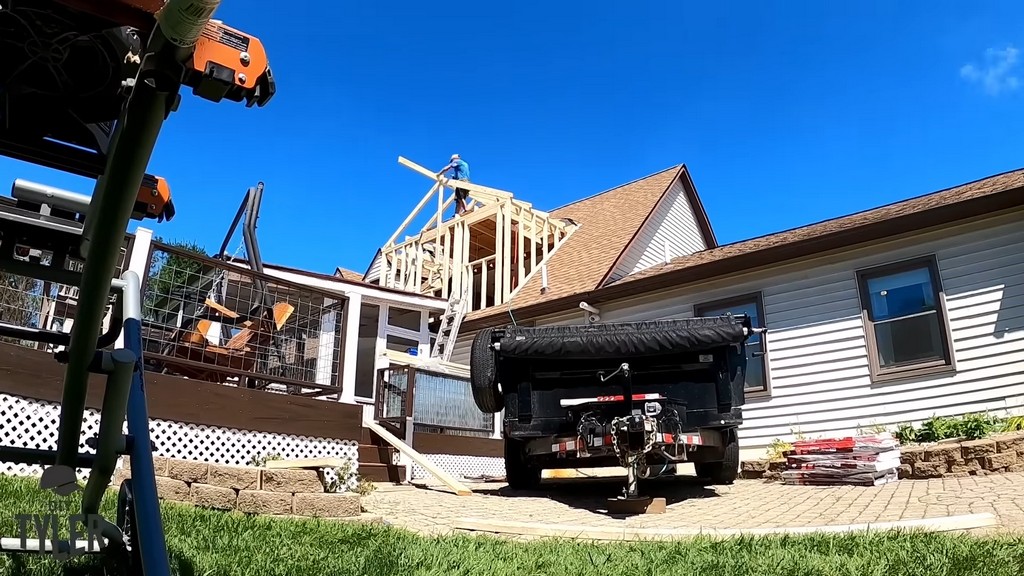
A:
973, 200
608, 223
346, 274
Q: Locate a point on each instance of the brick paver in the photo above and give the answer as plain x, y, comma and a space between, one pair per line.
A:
745, 504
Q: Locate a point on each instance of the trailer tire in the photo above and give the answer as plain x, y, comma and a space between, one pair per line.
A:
726, 470
126, 520
519, 474
483, 374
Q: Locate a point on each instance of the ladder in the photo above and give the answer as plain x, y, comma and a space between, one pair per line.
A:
448, 332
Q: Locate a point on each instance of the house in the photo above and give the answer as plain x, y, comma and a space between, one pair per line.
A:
881, 317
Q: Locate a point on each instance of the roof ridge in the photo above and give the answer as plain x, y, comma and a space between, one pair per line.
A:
677, 172
865, 210
613, 188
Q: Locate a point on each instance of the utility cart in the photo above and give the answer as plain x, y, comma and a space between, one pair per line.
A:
86, 87
644, 395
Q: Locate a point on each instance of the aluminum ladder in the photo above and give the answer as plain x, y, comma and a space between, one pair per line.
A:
448, 332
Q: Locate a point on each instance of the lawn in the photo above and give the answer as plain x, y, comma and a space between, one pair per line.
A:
210, 543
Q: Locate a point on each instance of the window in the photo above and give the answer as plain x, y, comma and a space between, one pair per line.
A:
402, 318
751, 305
905, 319
404, 345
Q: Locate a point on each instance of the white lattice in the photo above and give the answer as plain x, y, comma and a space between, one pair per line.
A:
462, 466
29, 423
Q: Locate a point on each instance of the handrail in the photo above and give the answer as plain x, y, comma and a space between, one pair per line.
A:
242, 270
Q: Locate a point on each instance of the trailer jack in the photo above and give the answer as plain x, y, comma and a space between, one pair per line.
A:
633, 437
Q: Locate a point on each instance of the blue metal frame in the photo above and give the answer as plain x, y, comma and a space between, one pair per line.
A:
148, 524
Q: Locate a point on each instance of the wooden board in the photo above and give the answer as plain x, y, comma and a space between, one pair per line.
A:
547, 530
307, 463
35, 374
448, 480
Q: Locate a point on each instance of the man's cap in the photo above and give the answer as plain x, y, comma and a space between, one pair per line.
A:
455, 156
62, 480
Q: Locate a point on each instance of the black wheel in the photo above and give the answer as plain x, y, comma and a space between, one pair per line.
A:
483, 374
519, 474
726, 470
126, 521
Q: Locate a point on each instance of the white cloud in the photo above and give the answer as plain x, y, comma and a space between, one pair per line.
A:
998, 73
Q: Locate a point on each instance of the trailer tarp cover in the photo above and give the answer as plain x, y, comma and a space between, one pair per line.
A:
650, 338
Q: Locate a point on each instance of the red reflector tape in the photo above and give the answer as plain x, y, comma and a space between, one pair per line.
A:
694, 439
617, 398
566, 444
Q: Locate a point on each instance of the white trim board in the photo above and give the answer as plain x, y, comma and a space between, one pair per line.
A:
939, 524
341, 287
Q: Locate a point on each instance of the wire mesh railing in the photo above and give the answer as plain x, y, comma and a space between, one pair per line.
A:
219, 321
440, 403
32, 303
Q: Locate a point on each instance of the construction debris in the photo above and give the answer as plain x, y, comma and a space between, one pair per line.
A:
870, 460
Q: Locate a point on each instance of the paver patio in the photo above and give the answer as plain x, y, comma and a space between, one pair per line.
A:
746, 504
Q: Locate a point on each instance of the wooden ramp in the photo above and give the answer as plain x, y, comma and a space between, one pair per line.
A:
446, 478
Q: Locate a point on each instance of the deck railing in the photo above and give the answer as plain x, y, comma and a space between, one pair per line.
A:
436, 402
32, 303
222, 322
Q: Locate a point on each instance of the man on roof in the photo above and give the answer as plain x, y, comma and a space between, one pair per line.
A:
459, 171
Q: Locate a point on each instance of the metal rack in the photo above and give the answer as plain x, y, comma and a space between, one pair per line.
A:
41, 232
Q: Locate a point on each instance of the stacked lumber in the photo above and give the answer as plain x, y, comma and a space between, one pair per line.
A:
870, 460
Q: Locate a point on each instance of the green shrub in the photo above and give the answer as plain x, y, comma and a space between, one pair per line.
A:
906, 434
977, 426
1013, 424
972, 426
777, 449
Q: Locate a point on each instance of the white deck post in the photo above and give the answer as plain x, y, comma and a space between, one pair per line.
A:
350, 348
138, 262
325, 345
424, 347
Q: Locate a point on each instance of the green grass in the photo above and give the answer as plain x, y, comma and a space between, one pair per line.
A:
212, 543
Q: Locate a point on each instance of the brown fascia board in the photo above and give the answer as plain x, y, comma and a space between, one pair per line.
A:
625, 248
380, 251
971, 209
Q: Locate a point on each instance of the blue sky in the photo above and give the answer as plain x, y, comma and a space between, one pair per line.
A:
786, 113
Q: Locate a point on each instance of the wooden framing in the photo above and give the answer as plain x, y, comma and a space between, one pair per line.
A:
495, 248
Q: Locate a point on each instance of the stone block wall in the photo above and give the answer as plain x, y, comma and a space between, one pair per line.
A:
246, 489
1004, 453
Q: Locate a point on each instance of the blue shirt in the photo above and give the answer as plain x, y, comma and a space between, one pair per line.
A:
460, 170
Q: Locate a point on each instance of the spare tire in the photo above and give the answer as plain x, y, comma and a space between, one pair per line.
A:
483, 374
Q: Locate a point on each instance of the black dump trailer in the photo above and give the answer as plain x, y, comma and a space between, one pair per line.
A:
641, 395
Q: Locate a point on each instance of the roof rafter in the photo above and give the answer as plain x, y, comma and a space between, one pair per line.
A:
493, 248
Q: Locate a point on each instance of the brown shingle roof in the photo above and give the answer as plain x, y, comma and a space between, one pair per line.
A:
951, 196
608, 222
976, 199
346, 274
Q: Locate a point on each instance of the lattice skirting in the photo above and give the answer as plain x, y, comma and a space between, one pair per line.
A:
462, 466
30, 423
